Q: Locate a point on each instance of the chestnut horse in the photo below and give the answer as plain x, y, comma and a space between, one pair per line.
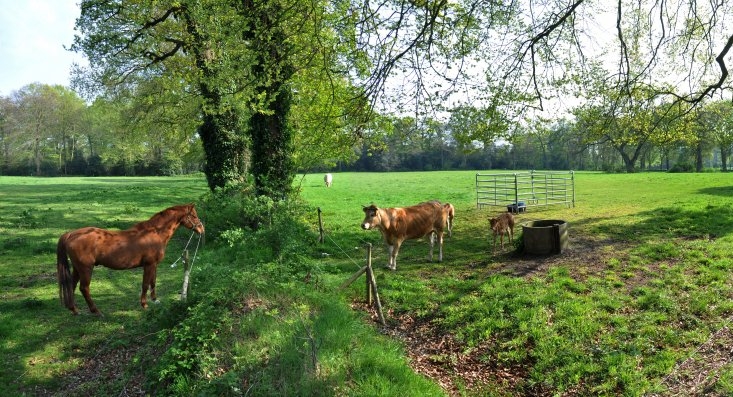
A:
141, 245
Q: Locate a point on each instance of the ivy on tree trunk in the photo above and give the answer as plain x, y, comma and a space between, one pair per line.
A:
272, 165
225, 150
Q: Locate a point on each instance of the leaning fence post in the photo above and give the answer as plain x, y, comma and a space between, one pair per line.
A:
373, 282
369, 275
352, 278
372, 286
320, 226
186, 275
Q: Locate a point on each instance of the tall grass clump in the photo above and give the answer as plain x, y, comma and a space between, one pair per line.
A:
264, 323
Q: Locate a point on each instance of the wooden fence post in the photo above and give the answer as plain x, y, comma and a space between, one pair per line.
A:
320, 226
371, 284
369, 275
186, 275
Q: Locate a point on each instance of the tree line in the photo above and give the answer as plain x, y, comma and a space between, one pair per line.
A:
253, 92
50, 131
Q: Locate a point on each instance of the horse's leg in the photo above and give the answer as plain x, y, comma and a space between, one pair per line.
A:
147, 277
440, 246
153, 277
75, 282
432, 244
85, 278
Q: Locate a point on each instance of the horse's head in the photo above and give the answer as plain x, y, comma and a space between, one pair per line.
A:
191, 220
371, 217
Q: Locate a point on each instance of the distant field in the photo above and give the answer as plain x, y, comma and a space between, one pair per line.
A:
646, 279
624, 206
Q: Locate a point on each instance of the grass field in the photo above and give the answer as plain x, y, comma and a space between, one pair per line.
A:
644, 284
645, 281
41, 341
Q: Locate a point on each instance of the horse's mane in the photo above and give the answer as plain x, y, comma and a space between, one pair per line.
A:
162, 217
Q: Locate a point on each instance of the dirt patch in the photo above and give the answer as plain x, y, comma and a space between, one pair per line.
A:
451, 364
456, 368
106, 367
583, 257
44, 278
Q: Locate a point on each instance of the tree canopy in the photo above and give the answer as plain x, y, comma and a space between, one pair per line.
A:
246, 63
268, 88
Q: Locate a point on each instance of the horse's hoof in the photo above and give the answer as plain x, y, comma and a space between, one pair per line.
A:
157, 302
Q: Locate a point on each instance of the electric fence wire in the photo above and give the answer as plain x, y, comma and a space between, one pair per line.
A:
185, 248
692, 354
344, 251
408, 250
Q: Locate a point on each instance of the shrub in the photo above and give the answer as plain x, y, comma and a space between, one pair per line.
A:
682, 167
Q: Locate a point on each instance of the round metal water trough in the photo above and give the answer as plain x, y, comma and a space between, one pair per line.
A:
545, 237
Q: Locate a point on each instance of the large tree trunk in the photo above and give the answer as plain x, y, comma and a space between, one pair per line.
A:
630, 161
272, 165
37, 154
698, 157
225, 149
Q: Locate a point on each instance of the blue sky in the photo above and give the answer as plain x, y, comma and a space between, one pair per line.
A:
33, 34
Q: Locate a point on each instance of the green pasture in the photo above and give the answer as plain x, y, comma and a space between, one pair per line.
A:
41, 341
645, 281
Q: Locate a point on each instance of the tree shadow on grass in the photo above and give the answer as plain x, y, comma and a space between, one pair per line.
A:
711, 221
142, 193
593, 240
725, 191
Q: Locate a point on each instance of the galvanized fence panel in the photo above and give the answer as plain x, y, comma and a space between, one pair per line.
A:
533, 188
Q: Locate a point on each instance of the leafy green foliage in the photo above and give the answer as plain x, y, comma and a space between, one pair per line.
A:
239, 65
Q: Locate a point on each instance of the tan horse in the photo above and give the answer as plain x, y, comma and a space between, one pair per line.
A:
400, 224
501, 225
141, 245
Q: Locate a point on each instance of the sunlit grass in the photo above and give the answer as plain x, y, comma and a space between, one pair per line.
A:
41, 339
657, 285
645, 281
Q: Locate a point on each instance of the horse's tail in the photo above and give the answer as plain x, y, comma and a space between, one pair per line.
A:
63, 272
